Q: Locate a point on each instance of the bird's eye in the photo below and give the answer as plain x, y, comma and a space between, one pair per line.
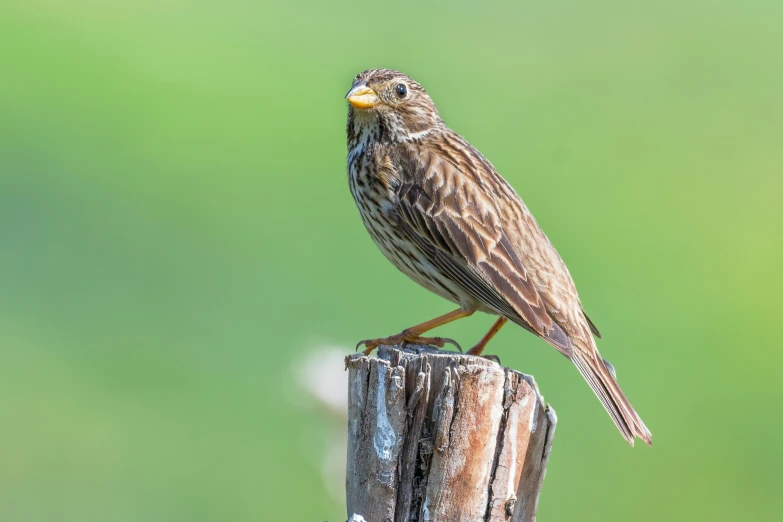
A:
402, 90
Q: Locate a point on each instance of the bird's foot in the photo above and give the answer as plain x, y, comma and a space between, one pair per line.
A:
403, 338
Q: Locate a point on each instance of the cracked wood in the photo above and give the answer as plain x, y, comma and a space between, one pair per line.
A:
440, 436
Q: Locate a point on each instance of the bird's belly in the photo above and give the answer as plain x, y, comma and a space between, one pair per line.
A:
407, 257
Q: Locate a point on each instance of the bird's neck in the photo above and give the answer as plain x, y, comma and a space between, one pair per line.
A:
365, 127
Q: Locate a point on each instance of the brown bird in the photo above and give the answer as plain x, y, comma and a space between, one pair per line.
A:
441, 213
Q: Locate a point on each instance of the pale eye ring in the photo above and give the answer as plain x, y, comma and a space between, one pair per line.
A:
401, 90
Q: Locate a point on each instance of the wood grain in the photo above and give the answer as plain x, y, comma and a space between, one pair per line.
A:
441, 436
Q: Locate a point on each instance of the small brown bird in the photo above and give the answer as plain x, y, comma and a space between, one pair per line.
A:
441, 213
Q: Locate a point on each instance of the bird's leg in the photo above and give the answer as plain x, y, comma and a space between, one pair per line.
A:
476, 350
412, 335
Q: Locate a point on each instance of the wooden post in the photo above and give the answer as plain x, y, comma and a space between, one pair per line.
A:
436, 436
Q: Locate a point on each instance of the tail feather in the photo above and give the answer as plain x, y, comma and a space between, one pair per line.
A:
604, 385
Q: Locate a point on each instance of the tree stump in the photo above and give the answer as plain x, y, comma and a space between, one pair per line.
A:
439, 436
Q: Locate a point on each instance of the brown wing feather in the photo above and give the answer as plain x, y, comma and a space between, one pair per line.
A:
593, 327
462, 240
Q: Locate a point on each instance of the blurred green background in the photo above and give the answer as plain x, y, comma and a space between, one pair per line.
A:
177, 234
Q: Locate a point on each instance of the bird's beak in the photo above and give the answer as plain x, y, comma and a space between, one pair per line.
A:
362, 97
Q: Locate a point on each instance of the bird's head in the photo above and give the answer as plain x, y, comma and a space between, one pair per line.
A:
393, 102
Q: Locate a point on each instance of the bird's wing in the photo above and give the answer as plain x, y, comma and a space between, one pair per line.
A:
593, 327
459, 228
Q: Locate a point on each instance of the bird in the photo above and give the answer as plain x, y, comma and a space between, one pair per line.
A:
443, 215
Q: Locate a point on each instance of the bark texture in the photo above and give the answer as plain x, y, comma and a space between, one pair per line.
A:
439, 436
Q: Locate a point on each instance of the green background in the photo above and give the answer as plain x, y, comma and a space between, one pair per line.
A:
176, 233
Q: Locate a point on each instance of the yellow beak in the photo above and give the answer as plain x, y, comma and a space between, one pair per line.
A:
362, 97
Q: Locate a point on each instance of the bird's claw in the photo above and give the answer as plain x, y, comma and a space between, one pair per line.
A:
369, 345
493, 358
403, 339
440, 342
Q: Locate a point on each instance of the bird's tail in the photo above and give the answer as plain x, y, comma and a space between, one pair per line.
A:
598, 375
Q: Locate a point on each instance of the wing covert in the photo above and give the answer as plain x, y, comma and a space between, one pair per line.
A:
460, 233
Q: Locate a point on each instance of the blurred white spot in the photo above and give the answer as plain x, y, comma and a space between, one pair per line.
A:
322, 375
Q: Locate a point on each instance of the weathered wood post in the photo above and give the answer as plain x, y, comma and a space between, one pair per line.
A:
436, 436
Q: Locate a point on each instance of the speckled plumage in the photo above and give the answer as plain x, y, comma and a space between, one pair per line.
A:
440, 212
